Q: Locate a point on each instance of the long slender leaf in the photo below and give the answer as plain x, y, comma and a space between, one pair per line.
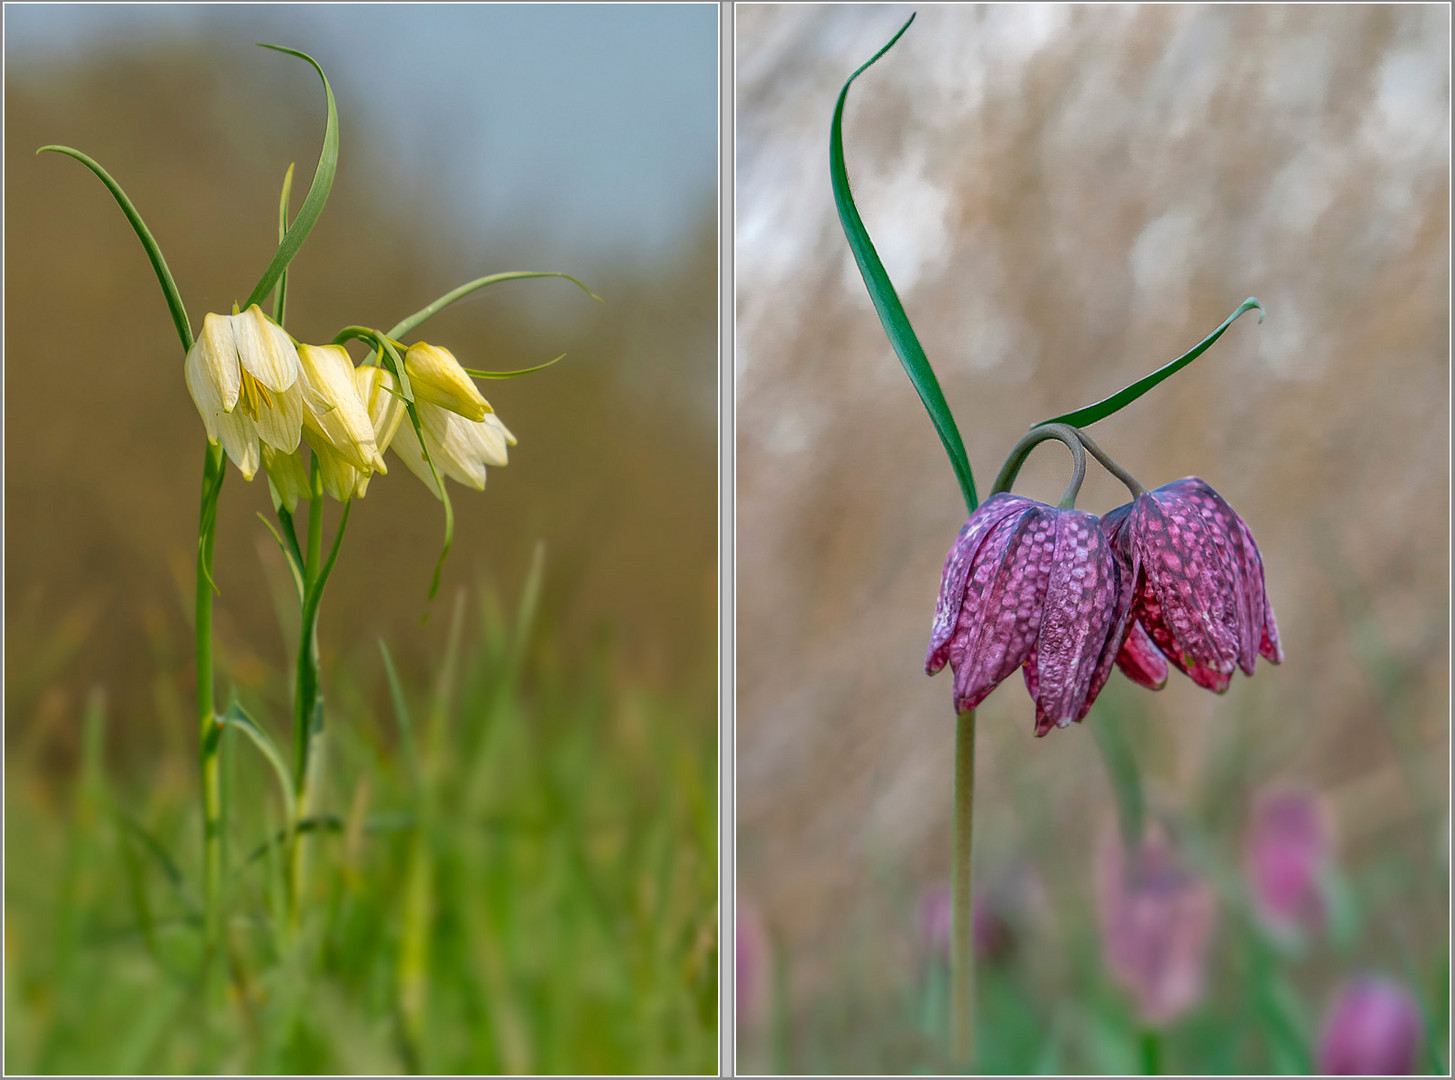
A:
886, 301
405, 325
1124, 397
154, 253
237, 716
317, 191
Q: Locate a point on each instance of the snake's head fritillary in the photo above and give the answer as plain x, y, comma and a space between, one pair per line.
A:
1030, 585
1199, 590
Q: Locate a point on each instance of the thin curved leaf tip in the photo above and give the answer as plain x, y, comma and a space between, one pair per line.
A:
886, 301
1089, 415
313, 202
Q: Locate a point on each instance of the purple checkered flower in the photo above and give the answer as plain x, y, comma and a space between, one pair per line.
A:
1374, 1028
1029, 584
1198, 587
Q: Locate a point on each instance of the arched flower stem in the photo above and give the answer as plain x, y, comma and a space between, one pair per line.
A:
1111, 466
1066, 434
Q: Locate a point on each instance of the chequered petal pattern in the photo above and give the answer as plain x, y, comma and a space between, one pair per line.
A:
957, 570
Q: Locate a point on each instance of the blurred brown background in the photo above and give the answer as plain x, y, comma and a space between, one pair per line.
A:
1067, 198
615, 471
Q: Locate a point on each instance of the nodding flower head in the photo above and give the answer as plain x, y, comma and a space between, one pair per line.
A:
244, 377
437, 377
1198, 586
1030, 584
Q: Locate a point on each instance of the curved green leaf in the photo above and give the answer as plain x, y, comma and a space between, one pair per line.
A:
405, 325
512, 374
1124, 397
154, 253
237, 716
886, 301
317, 191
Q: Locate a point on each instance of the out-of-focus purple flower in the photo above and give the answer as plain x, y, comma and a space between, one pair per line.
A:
1286, 850
1374, 1028
1157, 919
1198, 584
1029, 584
754, 958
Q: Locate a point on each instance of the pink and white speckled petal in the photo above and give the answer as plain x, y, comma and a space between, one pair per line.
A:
1268, 645
1225, 529
1190, 575
1001, 633
1080, 604
958, 563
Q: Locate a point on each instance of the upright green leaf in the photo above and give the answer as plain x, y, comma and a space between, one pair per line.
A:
317, 192
154, 253
886, 301
1125, 396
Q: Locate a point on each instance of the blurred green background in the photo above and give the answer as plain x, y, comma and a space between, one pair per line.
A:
551, 866
1067, 197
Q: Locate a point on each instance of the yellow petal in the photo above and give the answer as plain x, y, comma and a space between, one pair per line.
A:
288, 475
264, 349
346, 425
437, 377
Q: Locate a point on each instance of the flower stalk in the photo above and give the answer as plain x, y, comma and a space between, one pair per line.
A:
962, 925
209, 732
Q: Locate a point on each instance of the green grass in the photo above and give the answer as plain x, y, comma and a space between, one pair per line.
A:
515, 872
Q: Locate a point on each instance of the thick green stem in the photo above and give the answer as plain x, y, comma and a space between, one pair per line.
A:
962, 946
1030, 441
208, 729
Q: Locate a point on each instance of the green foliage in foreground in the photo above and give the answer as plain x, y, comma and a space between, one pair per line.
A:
516, 872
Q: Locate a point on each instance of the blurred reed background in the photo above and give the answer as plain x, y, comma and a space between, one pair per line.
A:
1067, 197
474, 139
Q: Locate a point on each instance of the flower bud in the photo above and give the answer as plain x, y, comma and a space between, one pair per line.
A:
437, 377
1374, 1028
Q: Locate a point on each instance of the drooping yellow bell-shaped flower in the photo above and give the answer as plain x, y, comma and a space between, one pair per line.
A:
244, 377
459, 447
436, 376
344, 426
377, 389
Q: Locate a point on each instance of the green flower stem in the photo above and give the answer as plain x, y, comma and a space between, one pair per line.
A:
1111, 466
308, 695
962, 944
1151, 1050
213, 472
1029, 441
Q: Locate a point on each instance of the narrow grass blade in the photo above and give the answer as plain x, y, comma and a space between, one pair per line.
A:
402, 715
317, 192
280, 297
237, 716
1125, 396
405, 325
154, 253
290, 555
886, 301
